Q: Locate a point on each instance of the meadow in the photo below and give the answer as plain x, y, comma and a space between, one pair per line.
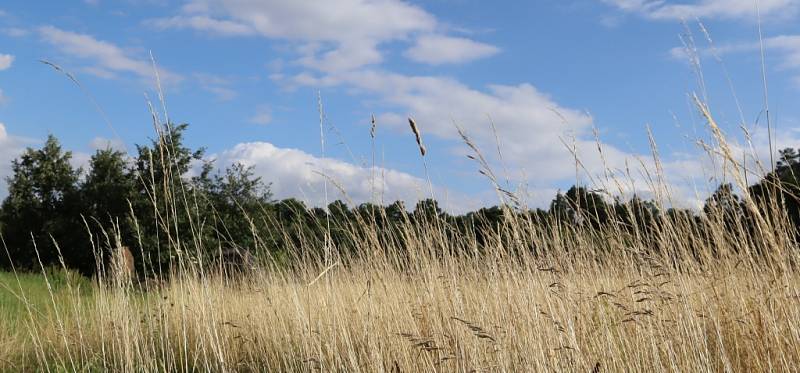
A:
644, 288
584, 300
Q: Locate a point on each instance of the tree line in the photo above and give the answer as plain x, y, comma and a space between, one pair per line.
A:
55, 214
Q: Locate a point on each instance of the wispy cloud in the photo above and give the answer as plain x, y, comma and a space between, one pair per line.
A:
731, 9
15, 32
785, 47
203, 23
263, 116
440, 49
221, 87
331, 40
107, 59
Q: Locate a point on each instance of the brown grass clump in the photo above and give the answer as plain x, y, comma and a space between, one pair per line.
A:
123, 269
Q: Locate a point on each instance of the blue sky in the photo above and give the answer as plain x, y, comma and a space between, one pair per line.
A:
247, 75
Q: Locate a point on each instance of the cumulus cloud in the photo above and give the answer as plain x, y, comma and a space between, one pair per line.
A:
730, 9
294, 173
528, 122
108, 59
5, 61
439, 49
332, 39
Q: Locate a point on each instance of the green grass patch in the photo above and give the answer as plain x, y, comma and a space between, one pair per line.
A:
26, 295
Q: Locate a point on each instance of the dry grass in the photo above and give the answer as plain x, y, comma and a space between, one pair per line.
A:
538, 296
436, 312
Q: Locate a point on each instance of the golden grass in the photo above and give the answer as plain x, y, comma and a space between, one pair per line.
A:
537, 296
439, 309
463, 318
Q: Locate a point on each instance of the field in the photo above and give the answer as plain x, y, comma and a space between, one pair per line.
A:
593, 303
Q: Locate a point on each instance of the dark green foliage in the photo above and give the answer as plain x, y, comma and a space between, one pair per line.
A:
164, 203
581, 206
231, 207
151, 204
106, 193
43, 202
427, 211
147, 203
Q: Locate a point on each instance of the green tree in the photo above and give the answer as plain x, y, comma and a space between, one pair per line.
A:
106, 193
164, 202
42, 207
588, 206
234, 207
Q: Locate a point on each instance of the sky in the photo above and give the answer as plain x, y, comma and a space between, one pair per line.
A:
530, 83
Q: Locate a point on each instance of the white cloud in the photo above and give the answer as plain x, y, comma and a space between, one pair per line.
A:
338, 34
5, 61
337, 20
730, 9
786, 47
109, 59
439, 49
222, 93
219, 86
334, 35
294, 173
789, 45
534, 131
205, 23
528, 122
